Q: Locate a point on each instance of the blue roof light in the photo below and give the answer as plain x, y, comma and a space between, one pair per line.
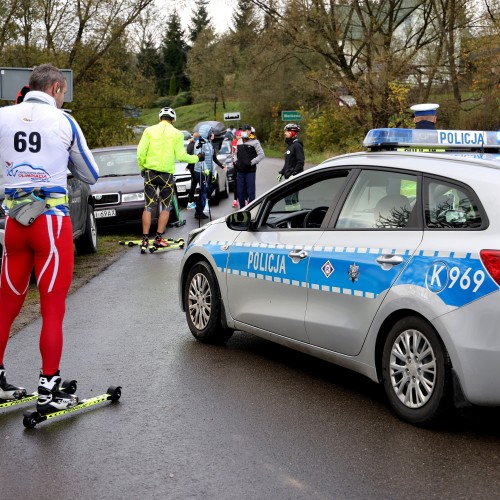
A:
431, 140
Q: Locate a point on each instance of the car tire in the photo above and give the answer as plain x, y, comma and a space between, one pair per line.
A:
419, 389
87, 242
204, 305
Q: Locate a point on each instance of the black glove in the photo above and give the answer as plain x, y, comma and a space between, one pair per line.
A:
143, 174
201, 156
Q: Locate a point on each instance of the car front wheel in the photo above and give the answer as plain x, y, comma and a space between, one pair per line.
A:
87, 242
416, 372
204, 306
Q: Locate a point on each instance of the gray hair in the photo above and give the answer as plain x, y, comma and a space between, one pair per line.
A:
44, 76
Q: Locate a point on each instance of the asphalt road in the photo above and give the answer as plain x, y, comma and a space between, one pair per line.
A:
249, 420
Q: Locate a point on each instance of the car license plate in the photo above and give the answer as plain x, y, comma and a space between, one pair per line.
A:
181, 188
100, 214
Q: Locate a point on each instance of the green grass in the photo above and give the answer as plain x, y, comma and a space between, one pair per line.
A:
189, 116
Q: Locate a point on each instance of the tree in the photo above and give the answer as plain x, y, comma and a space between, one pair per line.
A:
199, 21
206, 78
246, 24
144, 35
174, 52
363, 46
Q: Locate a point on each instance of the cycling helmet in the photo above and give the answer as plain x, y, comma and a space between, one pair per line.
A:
168, 113
293, 127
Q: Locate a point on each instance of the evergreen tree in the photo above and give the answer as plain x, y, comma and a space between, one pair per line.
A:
246, 23
199, 20
172, 89
174, 52
147, 59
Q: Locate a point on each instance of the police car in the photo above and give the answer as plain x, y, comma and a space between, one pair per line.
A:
386, 262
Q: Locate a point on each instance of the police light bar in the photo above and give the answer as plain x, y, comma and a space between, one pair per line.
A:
402, 139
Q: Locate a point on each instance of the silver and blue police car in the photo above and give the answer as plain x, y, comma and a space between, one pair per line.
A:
386, 262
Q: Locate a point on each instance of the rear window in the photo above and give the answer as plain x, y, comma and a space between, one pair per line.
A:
450, 206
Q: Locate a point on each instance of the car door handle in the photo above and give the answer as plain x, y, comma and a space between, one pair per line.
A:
388, 261
297, 255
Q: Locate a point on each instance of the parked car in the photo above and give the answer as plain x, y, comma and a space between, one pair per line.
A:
183, 180
187, 136
218, 128
119, 193
384, 262
81, 208
224, 156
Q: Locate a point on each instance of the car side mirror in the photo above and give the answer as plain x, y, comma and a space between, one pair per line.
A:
239, 221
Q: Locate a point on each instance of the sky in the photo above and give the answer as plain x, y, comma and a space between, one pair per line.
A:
220, 13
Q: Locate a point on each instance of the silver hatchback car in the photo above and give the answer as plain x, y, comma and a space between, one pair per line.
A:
386, 262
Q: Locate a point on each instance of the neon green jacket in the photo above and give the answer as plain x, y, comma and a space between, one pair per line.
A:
160, 146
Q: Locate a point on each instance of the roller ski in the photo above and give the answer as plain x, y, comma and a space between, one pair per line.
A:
54, 402
172, 244
160, 244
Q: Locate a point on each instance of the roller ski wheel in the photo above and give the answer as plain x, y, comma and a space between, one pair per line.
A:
114, 392
32, 418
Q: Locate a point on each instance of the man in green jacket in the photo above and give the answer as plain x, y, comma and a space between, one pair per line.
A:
160, 146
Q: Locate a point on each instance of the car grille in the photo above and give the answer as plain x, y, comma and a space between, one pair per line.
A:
106, 199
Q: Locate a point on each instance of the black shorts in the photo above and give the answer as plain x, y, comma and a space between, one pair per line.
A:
158, 185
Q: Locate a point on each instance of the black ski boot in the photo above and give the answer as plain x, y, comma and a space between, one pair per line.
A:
50, 396
8, 391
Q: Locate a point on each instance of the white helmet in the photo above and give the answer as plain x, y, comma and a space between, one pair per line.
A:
168, 112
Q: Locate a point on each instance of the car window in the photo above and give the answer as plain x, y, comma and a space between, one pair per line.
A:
448, 206
306, 206
379, 200
117, 162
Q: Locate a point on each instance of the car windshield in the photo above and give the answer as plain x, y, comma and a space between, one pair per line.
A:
117, 163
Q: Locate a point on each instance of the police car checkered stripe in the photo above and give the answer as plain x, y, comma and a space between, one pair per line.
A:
355, 250
420, 258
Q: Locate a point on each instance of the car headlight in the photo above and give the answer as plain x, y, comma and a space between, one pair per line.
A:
127, 198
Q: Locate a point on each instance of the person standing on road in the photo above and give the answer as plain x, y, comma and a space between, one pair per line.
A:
38, 143
294, 161
191, 204
425, 116
249, 153
203, 170
234, 146
160, 146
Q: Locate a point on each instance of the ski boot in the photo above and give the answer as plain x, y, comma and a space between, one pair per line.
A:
160, 242
50, 396
8, 391
144, 244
